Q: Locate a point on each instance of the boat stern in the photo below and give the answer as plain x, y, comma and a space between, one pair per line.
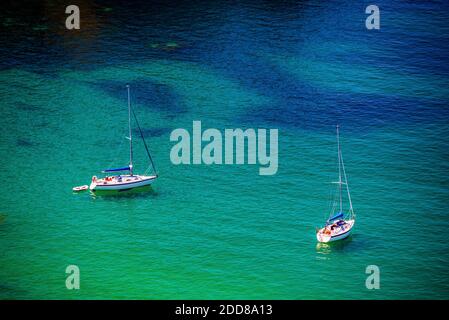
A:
93, 183
322, 237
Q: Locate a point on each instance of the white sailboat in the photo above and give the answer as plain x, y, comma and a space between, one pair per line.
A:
128, 180
339, 224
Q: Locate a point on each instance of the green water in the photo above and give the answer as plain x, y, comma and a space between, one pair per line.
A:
224, 231
207, 231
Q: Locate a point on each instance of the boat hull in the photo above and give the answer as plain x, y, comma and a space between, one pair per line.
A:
335, 236
126, 184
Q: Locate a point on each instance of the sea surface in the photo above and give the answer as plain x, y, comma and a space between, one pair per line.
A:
224, 231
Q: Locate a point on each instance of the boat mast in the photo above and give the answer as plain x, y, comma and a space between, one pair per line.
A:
339, 167
351, 209
130, 134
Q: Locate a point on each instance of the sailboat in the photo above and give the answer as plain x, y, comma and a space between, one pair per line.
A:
339, 224
129, 180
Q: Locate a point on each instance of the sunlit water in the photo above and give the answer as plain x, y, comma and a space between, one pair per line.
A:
222, 231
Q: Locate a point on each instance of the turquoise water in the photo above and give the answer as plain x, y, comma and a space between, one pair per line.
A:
222, 231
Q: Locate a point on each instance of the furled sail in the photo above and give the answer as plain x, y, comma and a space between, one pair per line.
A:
335, 217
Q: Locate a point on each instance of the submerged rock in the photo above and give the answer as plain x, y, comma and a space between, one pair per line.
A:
24, 143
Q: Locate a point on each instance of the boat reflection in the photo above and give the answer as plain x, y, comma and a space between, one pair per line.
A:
329, 247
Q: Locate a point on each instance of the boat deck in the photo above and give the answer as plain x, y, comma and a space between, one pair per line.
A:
120, 179
335, 231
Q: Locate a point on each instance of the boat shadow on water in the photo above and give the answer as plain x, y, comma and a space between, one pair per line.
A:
140, 192
354, 243
329, 247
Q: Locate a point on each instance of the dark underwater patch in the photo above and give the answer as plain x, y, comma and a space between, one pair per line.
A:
27, 107
24, 143
153, 96
313, 108
152, 132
